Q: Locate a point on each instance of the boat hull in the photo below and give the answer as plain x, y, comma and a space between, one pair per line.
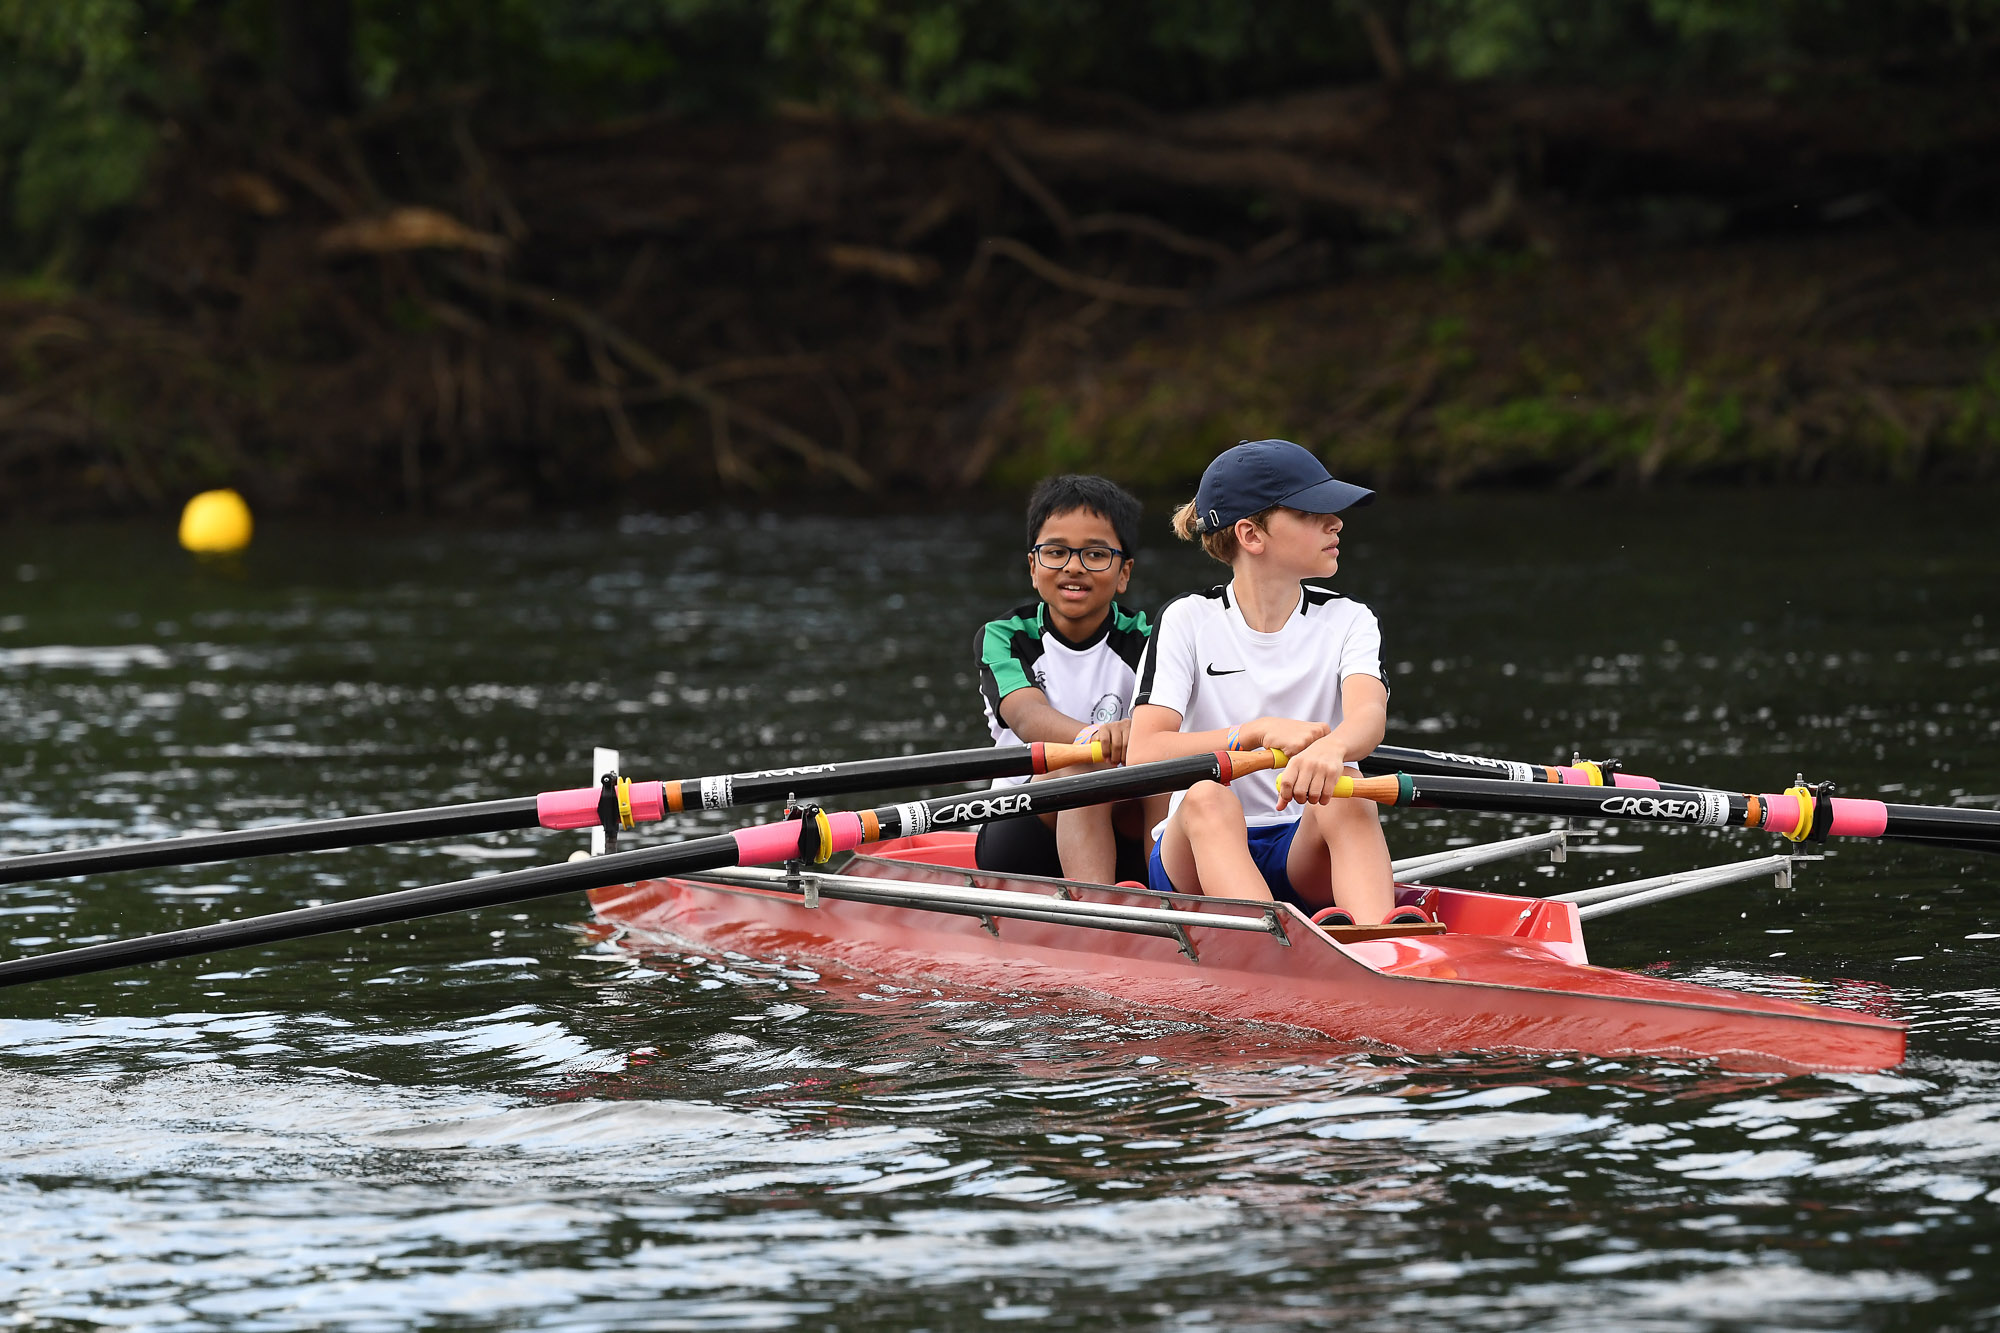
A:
1509, 974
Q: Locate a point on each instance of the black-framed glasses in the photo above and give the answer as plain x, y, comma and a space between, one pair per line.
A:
1054, 555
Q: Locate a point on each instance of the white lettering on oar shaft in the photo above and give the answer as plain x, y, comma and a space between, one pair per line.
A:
789, 772
1709, 807
1515, 770
980, 809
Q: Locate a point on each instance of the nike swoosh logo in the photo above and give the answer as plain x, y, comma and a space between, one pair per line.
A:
1233, 671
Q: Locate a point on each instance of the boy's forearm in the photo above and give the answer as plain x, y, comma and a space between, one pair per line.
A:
1149, 745
1038, 720
1358, 734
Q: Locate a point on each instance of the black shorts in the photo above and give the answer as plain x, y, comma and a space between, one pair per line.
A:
1024, 845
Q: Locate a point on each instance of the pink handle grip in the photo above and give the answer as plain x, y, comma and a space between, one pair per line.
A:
649, 802
847, 829
1573, 777
1858, 818
1851, 818
1781, 813
780, 842
577, 807
764, 843
1635, 781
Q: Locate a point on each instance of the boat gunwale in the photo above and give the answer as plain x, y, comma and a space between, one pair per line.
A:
1829, 1015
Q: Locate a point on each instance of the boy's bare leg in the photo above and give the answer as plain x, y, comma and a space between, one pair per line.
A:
1087, 844
1137, 819
1206, 847
1349, 854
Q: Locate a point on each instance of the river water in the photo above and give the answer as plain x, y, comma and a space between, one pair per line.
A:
500, 1121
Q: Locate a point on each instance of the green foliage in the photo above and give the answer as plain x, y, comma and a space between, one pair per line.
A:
1684, 40
71, 142
88, 81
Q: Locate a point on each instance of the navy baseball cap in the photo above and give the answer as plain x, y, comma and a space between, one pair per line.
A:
1258, 474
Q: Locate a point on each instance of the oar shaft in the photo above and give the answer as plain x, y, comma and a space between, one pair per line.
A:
316, 835
1387, 759
579, 807
814, 839
1788, 813
920, 770
404, 905
1952, 825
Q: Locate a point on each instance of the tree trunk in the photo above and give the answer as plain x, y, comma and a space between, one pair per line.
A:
316, 53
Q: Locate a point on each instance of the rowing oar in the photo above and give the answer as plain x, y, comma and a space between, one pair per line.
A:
1389, 759
1799, 814
814, 836
621, 804
1386, 759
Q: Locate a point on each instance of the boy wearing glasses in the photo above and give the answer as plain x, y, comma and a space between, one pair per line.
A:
1062, 668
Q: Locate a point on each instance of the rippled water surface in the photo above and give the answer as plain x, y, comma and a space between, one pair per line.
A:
502, 1121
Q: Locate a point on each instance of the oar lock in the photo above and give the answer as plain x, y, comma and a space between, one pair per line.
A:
1815, 811
614, 808
1598, 772
815, 846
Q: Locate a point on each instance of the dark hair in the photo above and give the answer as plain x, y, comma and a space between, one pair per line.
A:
1106, 499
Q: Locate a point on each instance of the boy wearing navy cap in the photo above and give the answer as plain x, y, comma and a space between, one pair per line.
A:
1273, 658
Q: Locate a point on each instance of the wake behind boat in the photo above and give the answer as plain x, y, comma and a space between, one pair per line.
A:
1492, 972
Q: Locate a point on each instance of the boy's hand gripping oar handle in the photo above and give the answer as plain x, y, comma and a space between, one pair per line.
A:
815, 837
1798, 814
624, 805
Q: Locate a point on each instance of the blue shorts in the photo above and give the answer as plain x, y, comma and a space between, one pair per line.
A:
1270, 845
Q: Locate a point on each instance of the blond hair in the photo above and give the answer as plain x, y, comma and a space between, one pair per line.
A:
1220, 544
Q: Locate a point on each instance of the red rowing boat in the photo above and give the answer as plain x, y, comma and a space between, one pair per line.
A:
1495, 972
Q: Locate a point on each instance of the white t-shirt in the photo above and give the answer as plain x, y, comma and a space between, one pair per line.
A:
1092, 680
1208, 665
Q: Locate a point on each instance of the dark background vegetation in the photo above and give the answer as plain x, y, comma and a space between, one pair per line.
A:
496, 254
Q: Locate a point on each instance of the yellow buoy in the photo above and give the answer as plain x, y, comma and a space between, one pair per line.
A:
214, 522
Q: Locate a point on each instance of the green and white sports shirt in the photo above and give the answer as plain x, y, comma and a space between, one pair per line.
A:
1092, 680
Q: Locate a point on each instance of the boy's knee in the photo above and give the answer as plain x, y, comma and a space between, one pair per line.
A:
1348, 813
1210, 802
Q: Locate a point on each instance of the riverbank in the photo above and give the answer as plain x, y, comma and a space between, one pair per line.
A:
1435, 287
1824, 359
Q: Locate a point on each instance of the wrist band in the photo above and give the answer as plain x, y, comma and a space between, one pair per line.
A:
1085, 732
1235, 734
